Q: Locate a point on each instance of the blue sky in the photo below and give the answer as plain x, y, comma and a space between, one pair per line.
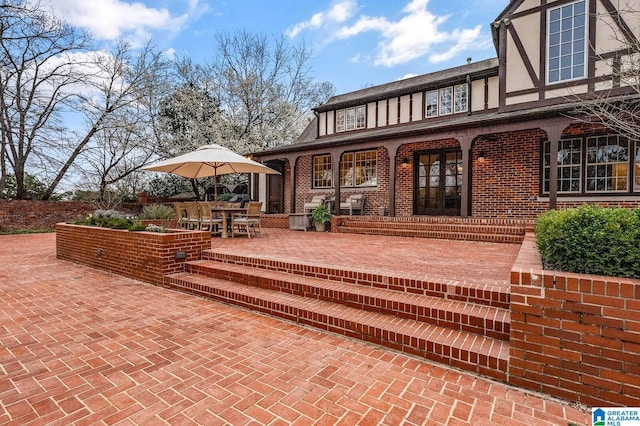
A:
356, 43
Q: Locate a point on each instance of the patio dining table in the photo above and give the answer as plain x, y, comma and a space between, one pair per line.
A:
226, 212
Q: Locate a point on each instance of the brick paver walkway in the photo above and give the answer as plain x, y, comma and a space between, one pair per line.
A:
81, 346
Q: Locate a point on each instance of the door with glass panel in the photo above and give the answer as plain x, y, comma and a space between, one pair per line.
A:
438, 182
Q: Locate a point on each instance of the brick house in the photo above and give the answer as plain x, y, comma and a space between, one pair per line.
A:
476, 140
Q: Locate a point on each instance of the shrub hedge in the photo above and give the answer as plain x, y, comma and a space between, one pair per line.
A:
590, 240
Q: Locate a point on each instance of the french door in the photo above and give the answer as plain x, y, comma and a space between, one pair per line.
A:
438, 182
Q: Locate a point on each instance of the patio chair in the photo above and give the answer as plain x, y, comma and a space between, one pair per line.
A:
193, 215
248, 220
315, 202
182, 216
209, 222
354, 202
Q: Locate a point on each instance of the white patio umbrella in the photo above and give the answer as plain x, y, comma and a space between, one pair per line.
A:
209, 160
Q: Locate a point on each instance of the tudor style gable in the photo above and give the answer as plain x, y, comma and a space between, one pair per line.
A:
550, 51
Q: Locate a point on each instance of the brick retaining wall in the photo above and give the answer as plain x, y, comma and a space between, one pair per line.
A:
145, 256
574, 336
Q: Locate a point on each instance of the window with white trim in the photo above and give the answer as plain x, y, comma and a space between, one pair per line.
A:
460, 98
431, 109
446, 96
361, 118
445, 101
566, 42
340, 120
351, 118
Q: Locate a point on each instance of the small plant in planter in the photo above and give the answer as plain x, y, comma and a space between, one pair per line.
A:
320, 215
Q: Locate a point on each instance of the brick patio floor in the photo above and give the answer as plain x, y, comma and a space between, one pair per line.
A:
81, 346
445, 259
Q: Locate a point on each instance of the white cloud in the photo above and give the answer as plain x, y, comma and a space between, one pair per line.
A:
112, 19
464, 39
417, 33
339, 12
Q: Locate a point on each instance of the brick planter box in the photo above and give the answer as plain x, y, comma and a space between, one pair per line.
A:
574, 336
145, 256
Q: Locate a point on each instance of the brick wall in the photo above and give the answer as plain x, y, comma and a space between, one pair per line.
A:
28, 214
145, 256
280, 220
574, 336
506, 183
40, 215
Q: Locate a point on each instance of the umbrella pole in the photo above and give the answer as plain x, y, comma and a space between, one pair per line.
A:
215, 184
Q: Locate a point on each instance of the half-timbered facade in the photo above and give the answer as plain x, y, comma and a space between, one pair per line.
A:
479, 139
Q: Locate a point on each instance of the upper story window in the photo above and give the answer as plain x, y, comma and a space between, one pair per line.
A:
322, 171
460, 98
350, 119
448, 100
566, 42
432, 104
358, 169
340, 120
445, 100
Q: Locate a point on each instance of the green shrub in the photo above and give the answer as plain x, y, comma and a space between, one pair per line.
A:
138, 226
590, 240
157, 211
105, 222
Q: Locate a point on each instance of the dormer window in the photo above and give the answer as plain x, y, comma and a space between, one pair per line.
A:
566, 42
448, 100
350, 119
340, 120
446, 96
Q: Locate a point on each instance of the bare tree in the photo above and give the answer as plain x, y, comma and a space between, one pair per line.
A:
619, 107
265, 89
118, 151
49, 78
37, 64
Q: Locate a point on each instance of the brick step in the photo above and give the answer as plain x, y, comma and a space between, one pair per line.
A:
468, 351
471, 317
489, 294
456, 227
416, 232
